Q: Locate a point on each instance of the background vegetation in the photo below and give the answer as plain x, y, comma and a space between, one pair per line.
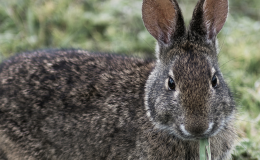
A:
116, 26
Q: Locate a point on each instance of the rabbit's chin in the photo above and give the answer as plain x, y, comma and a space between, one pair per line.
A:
180, 132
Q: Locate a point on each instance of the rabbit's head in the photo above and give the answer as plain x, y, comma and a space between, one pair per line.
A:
186, 93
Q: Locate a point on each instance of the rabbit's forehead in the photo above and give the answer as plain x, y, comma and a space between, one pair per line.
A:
192, 68
192, 73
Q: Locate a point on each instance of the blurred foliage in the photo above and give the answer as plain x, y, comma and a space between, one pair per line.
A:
116, 26
95, 25
240, 63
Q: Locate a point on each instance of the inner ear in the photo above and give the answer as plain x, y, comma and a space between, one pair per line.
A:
215, 15
161, 18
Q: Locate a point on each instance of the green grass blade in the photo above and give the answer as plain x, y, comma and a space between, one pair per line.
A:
205, 145
208, 149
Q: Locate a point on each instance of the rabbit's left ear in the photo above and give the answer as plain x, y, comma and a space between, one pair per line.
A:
209, 17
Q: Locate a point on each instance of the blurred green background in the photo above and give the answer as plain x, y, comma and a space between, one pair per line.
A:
115, 26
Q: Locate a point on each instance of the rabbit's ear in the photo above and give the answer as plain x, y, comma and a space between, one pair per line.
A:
209, 17
163, 19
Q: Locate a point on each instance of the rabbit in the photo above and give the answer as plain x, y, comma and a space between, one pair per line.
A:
72, 104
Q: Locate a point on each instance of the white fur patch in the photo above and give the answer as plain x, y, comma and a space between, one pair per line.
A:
182, 127
210, 128
157, 50
221, 125
213, 70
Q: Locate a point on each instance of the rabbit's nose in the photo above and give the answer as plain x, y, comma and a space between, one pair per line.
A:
197, 126
197, 129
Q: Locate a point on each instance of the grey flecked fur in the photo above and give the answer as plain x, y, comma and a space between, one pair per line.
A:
72, 104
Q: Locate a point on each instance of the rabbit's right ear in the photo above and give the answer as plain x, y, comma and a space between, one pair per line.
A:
163, 20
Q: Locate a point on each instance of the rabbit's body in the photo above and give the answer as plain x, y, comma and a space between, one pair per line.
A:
63, 115
70, 104
52, 107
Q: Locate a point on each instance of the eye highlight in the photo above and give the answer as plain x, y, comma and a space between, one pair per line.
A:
171, 84
214, 81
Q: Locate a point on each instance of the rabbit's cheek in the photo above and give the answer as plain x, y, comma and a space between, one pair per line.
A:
221, 115
166, 112
166, 119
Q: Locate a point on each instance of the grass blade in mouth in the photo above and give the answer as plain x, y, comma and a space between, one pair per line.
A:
205, 149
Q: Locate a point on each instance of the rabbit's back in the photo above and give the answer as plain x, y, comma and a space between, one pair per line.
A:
69, 104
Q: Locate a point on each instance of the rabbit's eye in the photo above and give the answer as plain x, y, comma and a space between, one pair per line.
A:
214, 81
171, 84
